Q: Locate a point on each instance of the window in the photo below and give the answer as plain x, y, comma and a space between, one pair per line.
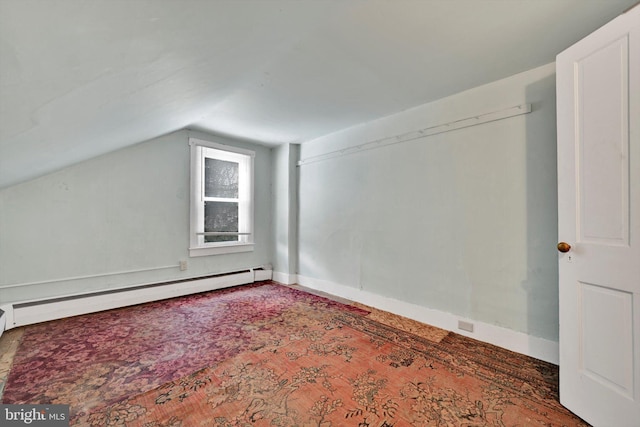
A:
221, 199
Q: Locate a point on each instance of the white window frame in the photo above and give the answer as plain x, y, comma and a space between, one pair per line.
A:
201, 149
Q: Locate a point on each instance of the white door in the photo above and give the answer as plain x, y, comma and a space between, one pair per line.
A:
598, 100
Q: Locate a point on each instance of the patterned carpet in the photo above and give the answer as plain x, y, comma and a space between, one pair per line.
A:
269, 355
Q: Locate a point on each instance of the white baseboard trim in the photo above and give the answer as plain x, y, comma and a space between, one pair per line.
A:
3, 318
30, 312
519, 342
285, 278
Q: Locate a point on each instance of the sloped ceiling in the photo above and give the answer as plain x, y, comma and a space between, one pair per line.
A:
82, 78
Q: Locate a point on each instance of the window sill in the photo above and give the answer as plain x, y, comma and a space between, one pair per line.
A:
220, 250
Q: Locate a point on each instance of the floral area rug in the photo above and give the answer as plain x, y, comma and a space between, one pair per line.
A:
351, 371
268, 355
98, 359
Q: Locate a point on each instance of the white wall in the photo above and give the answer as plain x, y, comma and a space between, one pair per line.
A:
463, 222
127, 210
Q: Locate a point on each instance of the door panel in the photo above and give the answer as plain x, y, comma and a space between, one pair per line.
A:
604, 356
598, 96
602, 138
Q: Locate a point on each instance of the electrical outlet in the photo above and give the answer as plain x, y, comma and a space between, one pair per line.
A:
183, 265
465, 326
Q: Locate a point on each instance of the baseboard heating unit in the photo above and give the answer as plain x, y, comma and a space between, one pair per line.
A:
30, 312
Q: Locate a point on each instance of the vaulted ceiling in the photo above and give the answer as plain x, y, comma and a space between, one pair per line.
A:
82, 78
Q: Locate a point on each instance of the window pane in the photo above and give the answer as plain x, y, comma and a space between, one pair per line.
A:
220, 216
220, 178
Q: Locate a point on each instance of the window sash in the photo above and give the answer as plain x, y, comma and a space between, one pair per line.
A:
221, 216
200, 151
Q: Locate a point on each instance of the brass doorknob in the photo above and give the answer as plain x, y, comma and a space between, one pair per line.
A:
564, 247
